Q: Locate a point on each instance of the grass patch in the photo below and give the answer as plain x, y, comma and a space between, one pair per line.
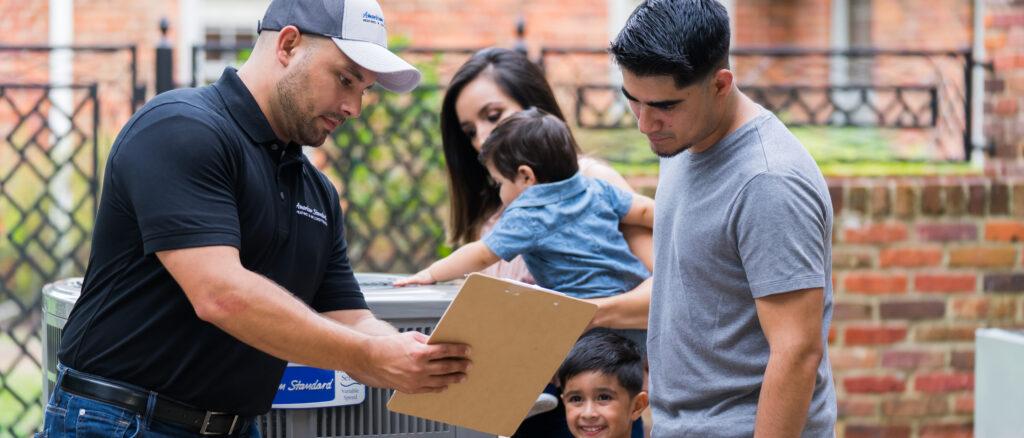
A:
838, 152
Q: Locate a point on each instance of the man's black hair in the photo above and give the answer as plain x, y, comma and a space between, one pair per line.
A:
607, 353
686, 39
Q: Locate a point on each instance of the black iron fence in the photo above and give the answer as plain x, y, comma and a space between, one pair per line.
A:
48, 192
393, 183
924, 90
113, 68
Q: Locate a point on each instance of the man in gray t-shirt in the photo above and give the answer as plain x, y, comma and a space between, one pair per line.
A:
742, 295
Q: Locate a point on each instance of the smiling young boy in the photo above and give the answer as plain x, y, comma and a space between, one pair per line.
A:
602, 386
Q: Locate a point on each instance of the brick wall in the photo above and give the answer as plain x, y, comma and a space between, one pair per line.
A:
28, 23
454, 23
96, 22
134, 22
919, 264
1004, 103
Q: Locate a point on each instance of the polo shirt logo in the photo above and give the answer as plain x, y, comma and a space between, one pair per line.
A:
311, 213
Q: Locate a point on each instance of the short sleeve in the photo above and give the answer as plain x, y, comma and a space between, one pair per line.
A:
177, 176
780, 230
619, 200
339, 289
515, 233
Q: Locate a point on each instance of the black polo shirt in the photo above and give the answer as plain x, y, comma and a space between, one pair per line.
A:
192, 168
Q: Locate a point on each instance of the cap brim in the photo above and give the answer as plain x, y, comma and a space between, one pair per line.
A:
393, 72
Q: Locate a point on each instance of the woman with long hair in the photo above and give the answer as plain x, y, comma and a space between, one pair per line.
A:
492, 85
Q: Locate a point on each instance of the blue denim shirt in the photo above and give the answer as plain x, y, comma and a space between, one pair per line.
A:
568, 234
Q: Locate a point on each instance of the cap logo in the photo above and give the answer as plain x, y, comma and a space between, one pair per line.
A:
374, 19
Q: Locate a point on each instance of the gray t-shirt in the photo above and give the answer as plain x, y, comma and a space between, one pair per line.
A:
748, 218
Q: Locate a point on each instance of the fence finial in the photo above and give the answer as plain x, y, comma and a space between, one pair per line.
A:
164, 60
520, 44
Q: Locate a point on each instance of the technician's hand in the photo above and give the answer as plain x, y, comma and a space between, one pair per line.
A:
406, 363
422, 277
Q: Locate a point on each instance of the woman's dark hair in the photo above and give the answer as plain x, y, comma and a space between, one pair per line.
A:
607, 353
532, 138
687, 39
473, 198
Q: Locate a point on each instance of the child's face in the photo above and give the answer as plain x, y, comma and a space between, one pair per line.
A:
510, 190
596, 405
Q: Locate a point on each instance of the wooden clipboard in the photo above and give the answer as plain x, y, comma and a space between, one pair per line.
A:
519, 335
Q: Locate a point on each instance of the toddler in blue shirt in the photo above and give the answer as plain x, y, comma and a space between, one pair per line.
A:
565, 225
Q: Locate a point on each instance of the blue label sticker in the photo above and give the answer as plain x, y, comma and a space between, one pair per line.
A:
302, 384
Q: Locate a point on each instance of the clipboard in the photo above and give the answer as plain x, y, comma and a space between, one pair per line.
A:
519, 335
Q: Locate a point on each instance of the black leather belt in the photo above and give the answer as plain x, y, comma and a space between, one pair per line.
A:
205, 423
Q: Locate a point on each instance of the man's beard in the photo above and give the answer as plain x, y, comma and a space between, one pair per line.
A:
301, 122
672, 152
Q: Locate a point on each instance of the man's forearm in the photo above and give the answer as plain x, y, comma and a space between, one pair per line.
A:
260, 313
363, 322
624, 311
786, 393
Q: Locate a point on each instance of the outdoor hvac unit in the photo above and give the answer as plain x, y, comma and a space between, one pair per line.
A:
998, 383
311, 402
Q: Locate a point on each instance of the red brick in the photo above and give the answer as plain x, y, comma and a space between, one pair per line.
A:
1018, 193
857, 406
910, 257
962, 360
945, 283
906, 201
915, 407
851, 259
877, 233
964, 404
850, 311
956, 200
1007, 19
1000, 199
931, 200
875, 284
947, 232
914, 359
859, 199
995, 41
1004, 230
944, 333
879, 202
982, 257
965, 430
984, 307
873, 384
911, 309
1004, 283
853, 358
876, 431
1006, 106
976, 199
836, 194
874, 335
944, 382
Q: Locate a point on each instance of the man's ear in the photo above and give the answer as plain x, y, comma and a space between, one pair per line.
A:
526, 173
640, 402
722, 82
288, 40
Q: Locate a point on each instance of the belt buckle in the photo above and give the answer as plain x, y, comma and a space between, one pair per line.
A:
206, 424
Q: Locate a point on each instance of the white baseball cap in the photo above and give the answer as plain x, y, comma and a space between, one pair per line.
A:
356, 26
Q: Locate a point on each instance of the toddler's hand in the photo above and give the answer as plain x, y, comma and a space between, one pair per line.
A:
422, 277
